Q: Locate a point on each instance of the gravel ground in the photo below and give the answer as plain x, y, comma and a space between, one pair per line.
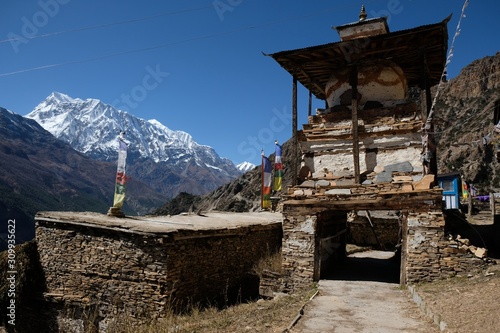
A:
362, 307
364, 297
466, 304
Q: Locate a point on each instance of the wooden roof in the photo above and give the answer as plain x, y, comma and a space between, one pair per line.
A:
410, 49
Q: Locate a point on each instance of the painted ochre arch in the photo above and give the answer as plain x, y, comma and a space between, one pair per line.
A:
377, 82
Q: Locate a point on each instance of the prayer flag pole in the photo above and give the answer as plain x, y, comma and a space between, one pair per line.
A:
278, 167
121, 179
266, 182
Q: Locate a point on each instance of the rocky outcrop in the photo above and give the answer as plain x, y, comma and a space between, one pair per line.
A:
240, 195
464, 122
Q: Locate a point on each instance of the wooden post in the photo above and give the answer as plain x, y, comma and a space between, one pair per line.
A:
424, 83
369, 216
355, 137
309, 109
294, 132
492, 203
469, 199
404, 248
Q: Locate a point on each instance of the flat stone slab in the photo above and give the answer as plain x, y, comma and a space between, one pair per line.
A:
162, 224
399, 167
335, 191
322, 183
308, 183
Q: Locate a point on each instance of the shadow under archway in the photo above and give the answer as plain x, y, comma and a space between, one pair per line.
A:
380, 266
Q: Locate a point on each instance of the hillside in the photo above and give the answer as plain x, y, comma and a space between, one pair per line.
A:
463, 114
240, 195
465, 120
39, 172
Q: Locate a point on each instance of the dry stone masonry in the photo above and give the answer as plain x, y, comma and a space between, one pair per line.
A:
372, 148
144, 268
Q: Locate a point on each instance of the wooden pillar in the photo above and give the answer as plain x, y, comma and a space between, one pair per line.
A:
403, 218
355, 137
309, 109
424, 82
294, 133
469, 204
431, 144
492, 204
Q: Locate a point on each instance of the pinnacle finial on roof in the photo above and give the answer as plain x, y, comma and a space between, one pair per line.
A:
362, 15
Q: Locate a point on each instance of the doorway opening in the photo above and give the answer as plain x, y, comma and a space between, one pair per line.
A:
360, 246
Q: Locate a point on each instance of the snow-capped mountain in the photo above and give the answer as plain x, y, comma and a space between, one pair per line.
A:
92, 127
245, 166
40, 172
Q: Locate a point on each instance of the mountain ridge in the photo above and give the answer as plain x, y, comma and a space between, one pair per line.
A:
171, 161
466, 107
39, 172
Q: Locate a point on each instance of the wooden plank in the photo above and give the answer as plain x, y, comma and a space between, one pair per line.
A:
294, 132
399, 111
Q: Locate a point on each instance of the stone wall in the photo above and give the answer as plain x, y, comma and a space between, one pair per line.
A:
384, 235
311, 241
387, 136
427, 253
298, 249
430, 255
145, 274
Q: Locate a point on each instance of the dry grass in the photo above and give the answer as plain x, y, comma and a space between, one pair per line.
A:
466, 304
260, 316
271, 262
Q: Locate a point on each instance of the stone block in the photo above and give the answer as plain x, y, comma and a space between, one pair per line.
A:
481, 252
425, 183
298, 192
399, 167
383, 177
308, 183
322, 183
338, 191
407, 188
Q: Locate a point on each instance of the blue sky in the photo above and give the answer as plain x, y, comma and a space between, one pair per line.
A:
197, 65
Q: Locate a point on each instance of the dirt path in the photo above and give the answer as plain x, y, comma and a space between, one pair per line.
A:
348, 306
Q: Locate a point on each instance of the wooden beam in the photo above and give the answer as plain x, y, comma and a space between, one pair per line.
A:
309, 109
355, 138
294, 132
431, 147
368, 215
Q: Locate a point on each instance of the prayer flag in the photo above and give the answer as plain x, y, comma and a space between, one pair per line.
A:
121, 178
278, 169
266, 182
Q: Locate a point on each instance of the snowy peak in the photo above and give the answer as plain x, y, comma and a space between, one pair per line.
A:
57, 97
92, 127
245, 166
